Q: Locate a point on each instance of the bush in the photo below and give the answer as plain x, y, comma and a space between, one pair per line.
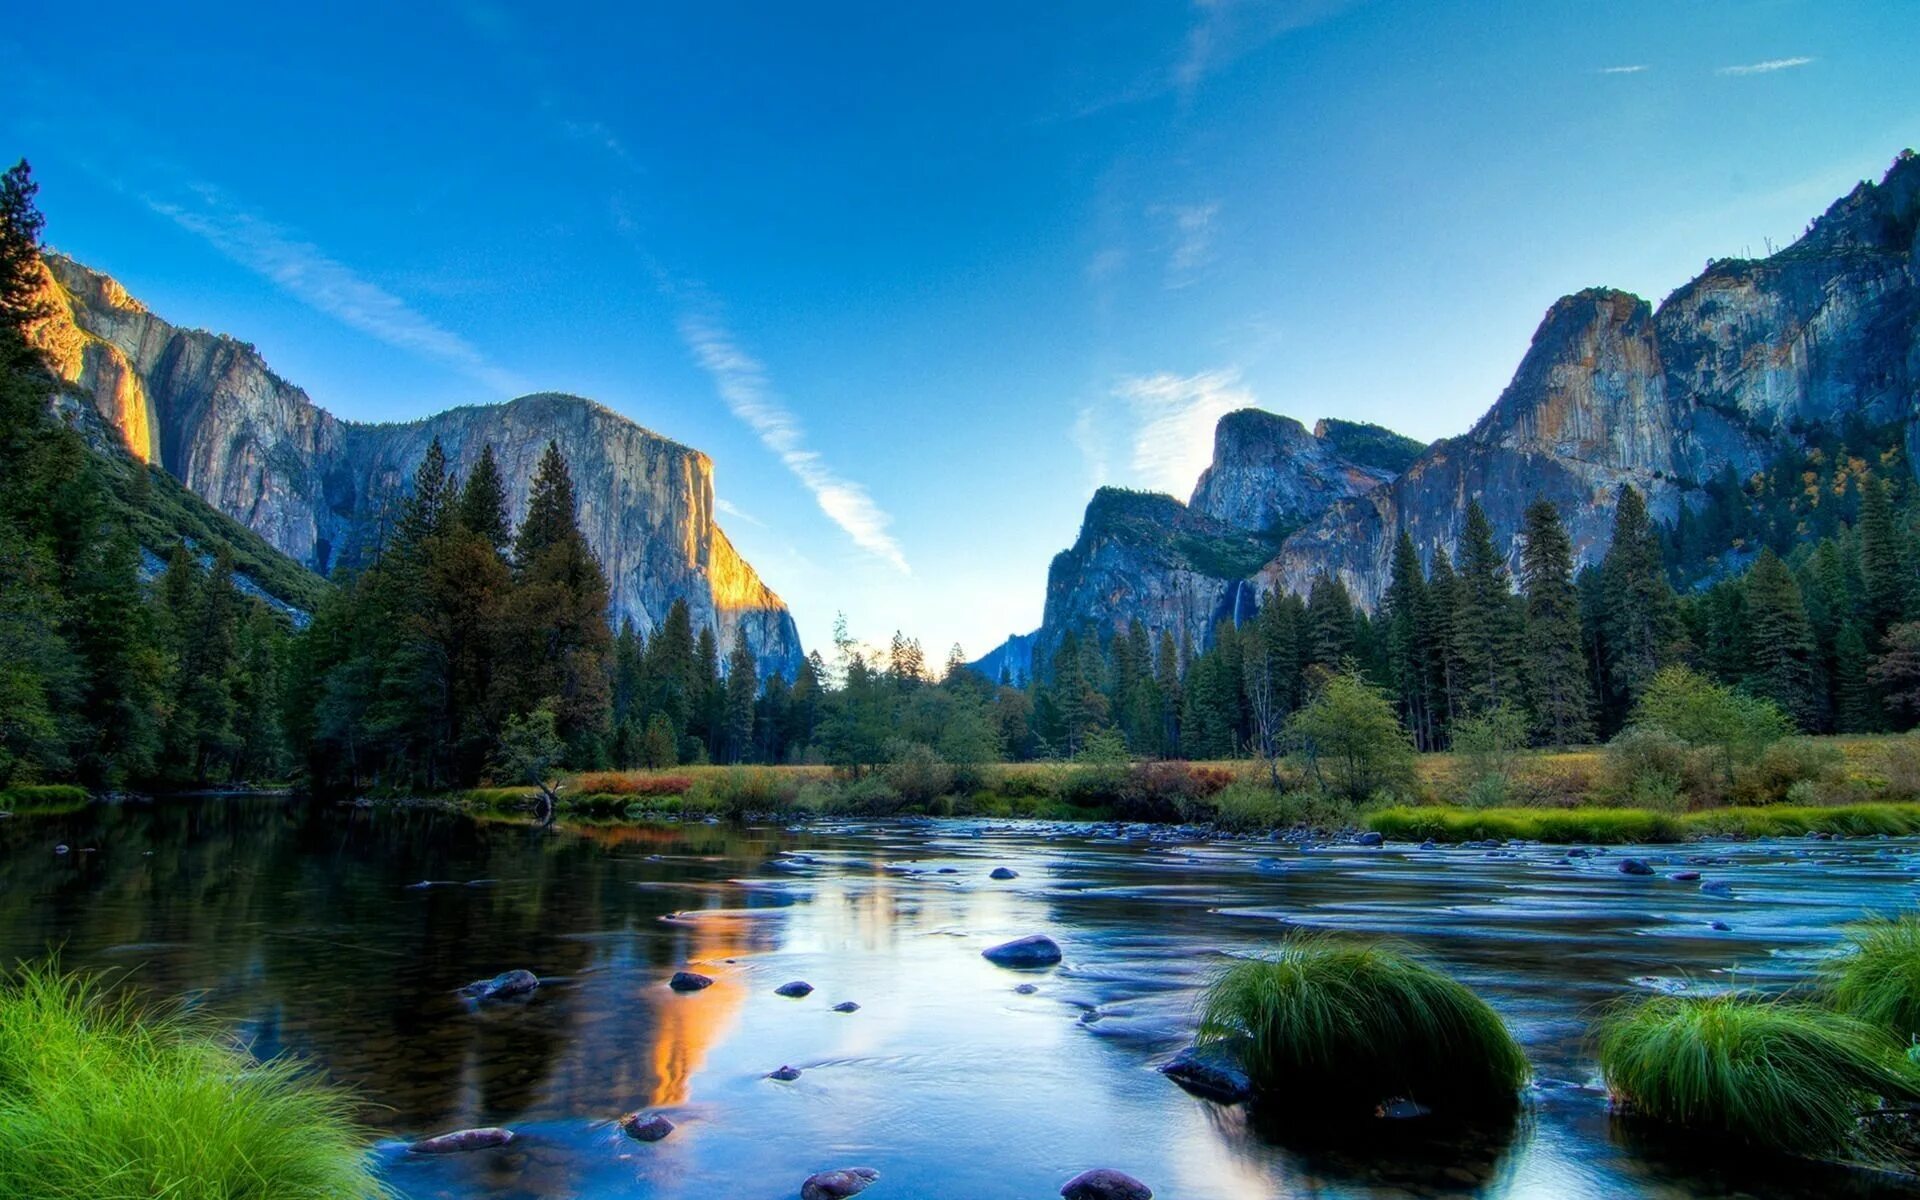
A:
1488, 791
1769, 1073
1249, 807
1877, 979
1649, 767
1170, 791
104, 1100
740, 791
43, 798
917, 774
1783, 766
628, 783
1702, 713
1903, 767
1606, 825
1338, 1028
1351, 741
1489, 744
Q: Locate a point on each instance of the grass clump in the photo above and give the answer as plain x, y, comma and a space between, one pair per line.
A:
43, 798
1446, 824
1769, 1073
1337, 1027
1877, 978
103, 1099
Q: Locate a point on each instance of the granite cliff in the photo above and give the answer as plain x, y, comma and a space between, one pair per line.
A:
209, 411
1733, 367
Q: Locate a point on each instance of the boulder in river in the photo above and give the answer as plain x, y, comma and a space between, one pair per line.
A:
1717, 887
1104, 1183
837, 1185
846, 1006
794, 990
1027, 989
1372, 838
504, 986
1635, 866
1685, 876
1004, 873
645, 1127
785, 1074
1212, 1071
1034, 950
688, 981
464, 1140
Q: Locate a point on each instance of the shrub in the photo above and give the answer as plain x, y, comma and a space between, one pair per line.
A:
1770, 1073
1703, 713
1489, 744
1877, 979
43, 798
740, 791
870, 796
916, 773
1341, 1027
627, 783
1608, 825
1246, 807
1488, 791
103, 1099
1784, 765
1170, 791
1649, 767
1903, 767
1351, 741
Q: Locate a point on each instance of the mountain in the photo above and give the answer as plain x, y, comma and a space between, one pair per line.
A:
1736, 366
209, 411
1184, 567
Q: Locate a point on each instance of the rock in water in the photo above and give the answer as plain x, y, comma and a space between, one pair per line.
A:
645, 1127
785, 1074
1034, 950
1717, 887
1634, 866
1105, 1183
464, 1140
503, 986
794, 990
1212, 1071
688, 981
1003, 873
1372, 838
1027, 989
837, 1185
846, 1006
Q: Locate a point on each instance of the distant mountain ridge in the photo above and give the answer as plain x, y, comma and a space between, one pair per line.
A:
208, 409
1730, 369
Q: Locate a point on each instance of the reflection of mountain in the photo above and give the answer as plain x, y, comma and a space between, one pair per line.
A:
688, 1025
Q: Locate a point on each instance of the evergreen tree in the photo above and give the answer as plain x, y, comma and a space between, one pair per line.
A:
1443, 678
482, 508
1557, 693
1329, 623
1883, 579
1486, 620
742, 678
550, 509
1640, 619
1404, 611
1781, 669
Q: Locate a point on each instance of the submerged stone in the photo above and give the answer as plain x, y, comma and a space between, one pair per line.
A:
463, 1140
846, 1006
1371, 838
503, 986
794, 990
785, 1074
1034, 950
1104, 1183
645, 1127
1684, 876
1212, 1071
1004, 873
1717, 887
1027, 989
688, 981
837, 1185
1634, 866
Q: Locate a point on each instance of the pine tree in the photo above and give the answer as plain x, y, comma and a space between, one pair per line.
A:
428, 510
1404, 611
742, 678
1329, 624
1856, 709
21, 300
482, 508
1640, 620
1556, 673
1781, 669
1443, 605
1486, 622
550, 509
1882, 577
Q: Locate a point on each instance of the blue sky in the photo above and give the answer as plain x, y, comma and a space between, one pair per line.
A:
919, 277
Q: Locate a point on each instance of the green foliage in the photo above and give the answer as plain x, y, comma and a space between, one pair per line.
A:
1489, 744
1706, 714
1337, 1028
43, 798
1438, 823
1350, 740
1371, 445
1768, 1073
105, 1100
529, 748
1876, 977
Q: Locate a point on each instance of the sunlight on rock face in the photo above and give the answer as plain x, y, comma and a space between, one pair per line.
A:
78, 357
689, 1025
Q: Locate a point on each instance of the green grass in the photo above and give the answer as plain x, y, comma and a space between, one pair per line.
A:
43, 798
1446, 823
1336, 1027
103, 1100
1877, 979
1769, 1073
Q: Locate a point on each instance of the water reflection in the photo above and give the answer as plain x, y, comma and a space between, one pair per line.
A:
344, 934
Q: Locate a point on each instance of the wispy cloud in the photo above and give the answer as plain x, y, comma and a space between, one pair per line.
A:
1225, 30
1172, 423
306, 272
1633, 69
743, 385
737, 513
1763, 68
1191, 245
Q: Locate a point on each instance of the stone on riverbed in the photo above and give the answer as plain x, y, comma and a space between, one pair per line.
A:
1634, 866
1717, 887
1371, 838
846, 1006
837, 1185
1212, 1071
645, 1127
1034, 950
1004, 873
462, 1141
794, 990
688, 981
785, 1074
1105, 1183
503, 986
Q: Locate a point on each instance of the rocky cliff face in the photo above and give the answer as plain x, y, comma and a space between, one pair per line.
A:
208, 410
1269, 475
1732, 367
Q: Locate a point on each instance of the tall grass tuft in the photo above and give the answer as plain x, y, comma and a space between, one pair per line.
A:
1770, 1073
103, 1099
1337, 1028
1877, 979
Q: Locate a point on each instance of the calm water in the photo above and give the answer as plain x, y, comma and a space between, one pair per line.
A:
299, 924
